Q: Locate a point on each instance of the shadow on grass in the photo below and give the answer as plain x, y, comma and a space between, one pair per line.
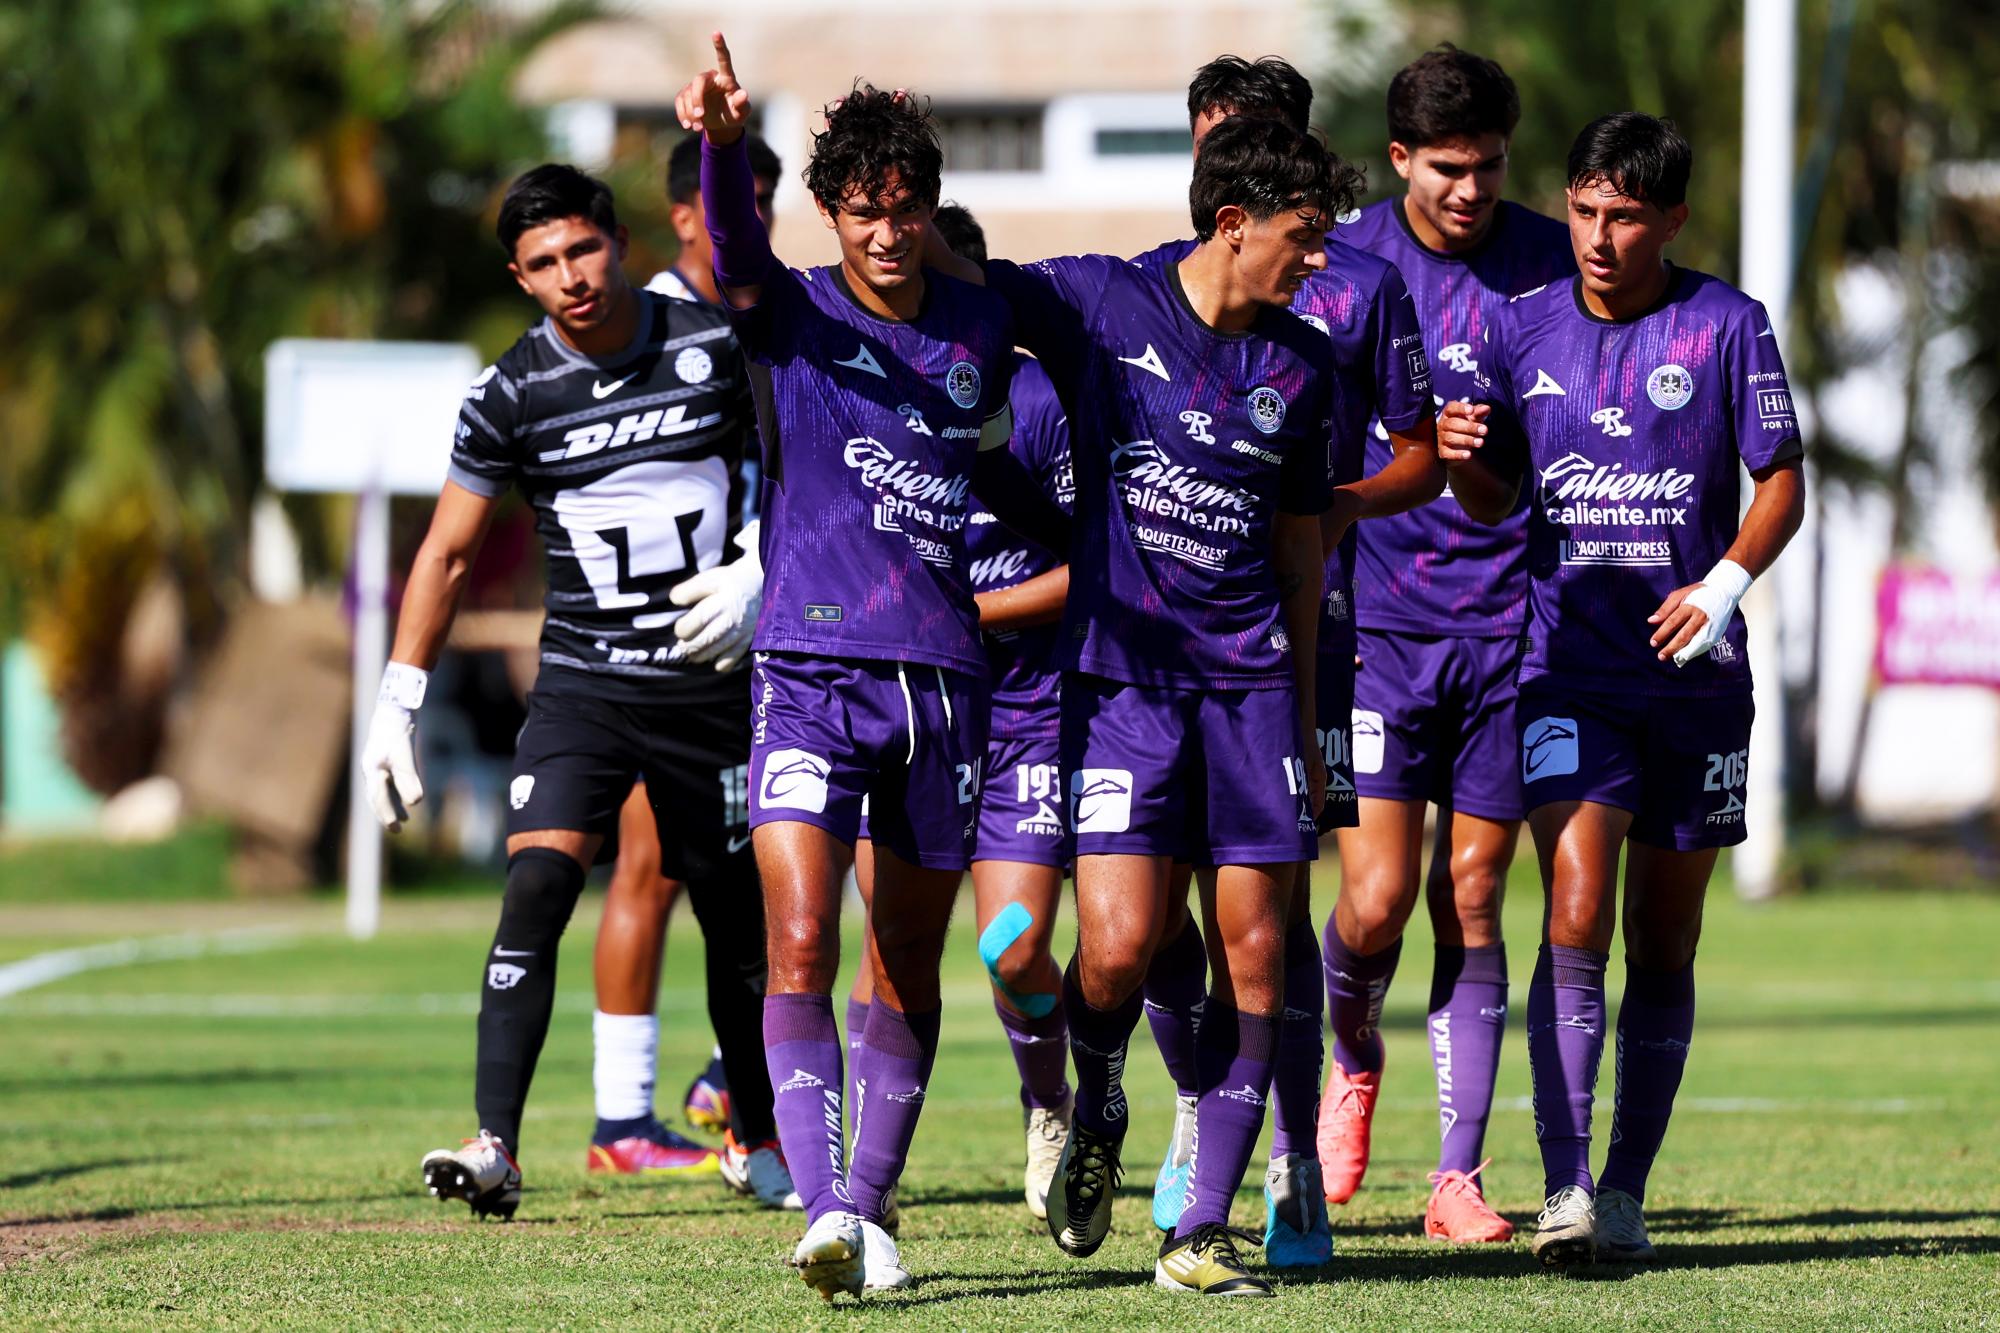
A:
49, 1175
942, 1288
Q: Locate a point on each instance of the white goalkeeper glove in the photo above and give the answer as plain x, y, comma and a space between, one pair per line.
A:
389, 755
723, 604
1717, 597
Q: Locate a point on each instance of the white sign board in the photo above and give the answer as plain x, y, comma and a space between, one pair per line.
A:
346, 416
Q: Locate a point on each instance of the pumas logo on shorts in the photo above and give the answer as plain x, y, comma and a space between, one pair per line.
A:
794, 780
1367, 742
1548, 748
520, 790
1100, 800
504, 976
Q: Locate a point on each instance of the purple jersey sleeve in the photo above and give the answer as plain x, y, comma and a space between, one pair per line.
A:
1767, 429
1053, 302
1402, 370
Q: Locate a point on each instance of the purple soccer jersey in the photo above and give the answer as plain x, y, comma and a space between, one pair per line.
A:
1185, 443
1628, 435
869, 429
1432, 570
1021, 661
1377, 371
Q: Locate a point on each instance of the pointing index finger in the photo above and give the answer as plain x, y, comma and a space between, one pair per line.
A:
722, 64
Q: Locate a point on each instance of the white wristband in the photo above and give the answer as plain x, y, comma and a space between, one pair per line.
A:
403, 685
1730, 578
1716, 598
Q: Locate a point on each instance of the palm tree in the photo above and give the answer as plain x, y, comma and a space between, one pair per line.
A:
185, 183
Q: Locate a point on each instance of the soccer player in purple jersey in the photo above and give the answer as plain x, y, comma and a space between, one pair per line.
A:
1017, 869
1625, 399
1438, 600
1199, 415
639, 898
1379, 374
882, 398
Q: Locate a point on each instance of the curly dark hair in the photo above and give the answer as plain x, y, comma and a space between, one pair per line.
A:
1268, 86
1265, 167
957, 228
869, 136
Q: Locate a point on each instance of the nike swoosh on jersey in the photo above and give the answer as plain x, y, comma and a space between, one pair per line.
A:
606, 390
738, 844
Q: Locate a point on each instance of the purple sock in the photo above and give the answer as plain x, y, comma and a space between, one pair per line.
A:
1565, 1042
1237, 1052
1176, 981
1655, 1025
857, 1023
1468, 1019
1301, 1047
897, 1052
802, 1053
1041, 1053
1355, 988
1097, 1042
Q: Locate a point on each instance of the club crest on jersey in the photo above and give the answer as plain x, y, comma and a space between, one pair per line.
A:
962, 383
693, 365
1267, 409
1670, 387
1198, 424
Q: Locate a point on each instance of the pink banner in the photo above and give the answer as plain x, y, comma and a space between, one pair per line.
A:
1938, 627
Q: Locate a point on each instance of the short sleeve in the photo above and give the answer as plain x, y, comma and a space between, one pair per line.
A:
767, 332
483, 458
1052, 300
1506, 449
1402, 368
1305, 478
1766, 426
1041, 434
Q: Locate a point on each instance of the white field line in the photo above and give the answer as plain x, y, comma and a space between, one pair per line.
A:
41, 969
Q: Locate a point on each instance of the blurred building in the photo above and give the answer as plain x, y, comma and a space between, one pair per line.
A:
1064, 124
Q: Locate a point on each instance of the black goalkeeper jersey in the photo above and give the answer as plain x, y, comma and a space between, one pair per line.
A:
633, 463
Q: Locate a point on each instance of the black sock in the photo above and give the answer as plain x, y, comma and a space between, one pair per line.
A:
519, 985
731, 912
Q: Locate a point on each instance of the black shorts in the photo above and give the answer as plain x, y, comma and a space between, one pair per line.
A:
578, 755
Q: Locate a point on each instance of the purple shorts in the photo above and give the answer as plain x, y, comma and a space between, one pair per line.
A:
1021, 803
1214, 777
1335, 680
1434, 721
1677, 764
827, 733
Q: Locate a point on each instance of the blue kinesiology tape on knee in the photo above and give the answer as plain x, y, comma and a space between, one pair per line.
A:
1013, 922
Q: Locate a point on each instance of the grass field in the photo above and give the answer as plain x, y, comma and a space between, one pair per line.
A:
230, 1137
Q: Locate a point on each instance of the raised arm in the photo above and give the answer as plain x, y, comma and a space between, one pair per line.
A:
715, 103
